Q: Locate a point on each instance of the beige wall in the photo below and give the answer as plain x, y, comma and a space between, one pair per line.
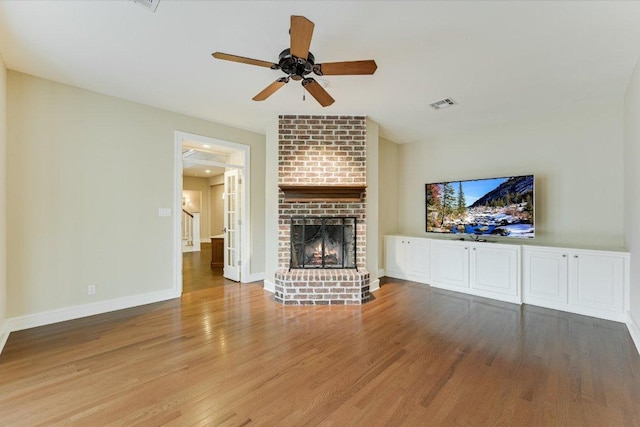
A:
3, 200
217, 209
216, 184
632, 187
271, 203
201, 185
87, 175
373, 196
388, 202
575, 156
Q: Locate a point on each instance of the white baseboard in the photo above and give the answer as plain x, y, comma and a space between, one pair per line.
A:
374, 286
634, 329
85, 310
4, 334
381, 273
269, 286
254, 277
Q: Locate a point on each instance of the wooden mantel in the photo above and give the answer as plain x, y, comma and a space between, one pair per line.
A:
323, 193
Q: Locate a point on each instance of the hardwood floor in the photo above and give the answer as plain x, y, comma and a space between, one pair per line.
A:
415, 356
197, 272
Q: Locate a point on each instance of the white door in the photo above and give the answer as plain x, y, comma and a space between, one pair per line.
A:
494, 268
545, 276
394, 256
450, 264
417, 258
597, 281
231, 225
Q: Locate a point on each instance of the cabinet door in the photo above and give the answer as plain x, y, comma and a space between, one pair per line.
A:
597, 281
394, 260
545, 276
417, 258
450, 263
494, 268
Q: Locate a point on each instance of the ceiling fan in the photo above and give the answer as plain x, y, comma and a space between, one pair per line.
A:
297, 63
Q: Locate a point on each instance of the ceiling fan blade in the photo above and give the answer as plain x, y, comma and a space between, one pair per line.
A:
271, 89
300, 33
318, 92
368, 66
243, 60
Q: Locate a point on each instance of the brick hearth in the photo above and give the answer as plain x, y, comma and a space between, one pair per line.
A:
321, 150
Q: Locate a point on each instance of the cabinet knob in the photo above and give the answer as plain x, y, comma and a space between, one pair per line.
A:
564, 255
575, 256
465, 248
474, 249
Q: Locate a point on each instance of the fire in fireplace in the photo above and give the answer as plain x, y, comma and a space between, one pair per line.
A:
323, 242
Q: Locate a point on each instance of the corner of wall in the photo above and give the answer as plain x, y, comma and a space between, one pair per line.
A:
631, 204
4, 332
634, 330
374, 245
271, 204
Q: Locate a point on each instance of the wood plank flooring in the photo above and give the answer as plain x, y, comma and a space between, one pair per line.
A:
414, 356
197, 272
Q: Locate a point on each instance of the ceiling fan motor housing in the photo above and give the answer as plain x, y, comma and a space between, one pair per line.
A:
295, 67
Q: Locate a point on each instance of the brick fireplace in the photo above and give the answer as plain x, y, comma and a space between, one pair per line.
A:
322, 177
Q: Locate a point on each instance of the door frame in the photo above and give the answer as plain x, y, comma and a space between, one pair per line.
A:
245, 217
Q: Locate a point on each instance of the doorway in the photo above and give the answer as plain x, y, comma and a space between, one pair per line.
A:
218, 169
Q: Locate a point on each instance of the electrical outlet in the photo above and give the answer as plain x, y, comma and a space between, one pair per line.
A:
91, 290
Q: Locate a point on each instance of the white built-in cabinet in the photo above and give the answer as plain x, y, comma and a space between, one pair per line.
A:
579, 281
488, 270
494, 271
450, 264
583, 281
407, 258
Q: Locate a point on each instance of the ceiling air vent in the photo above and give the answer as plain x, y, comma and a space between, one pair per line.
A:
445, 103
148, 4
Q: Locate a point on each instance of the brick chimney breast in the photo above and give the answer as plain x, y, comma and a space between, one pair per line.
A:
322, 151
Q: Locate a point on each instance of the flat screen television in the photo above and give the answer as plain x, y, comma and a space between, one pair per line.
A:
482, 207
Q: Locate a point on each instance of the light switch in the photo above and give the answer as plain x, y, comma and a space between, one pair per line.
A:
164, 211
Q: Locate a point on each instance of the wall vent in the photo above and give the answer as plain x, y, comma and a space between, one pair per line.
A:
148, 4
445, 103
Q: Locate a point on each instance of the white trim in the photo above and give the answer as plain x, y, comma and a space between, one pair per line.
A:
269, 286
177, 219
4, 334
245, 212
381, 273
634, 329
210, 163
374, 286
85, 310
253, 277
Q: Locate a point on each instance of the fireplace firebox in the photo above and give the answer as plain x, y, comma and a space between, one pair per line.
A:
323, 242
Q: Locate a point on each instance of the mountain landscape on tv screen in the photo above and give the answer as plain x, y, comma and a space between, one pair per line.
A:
497, 206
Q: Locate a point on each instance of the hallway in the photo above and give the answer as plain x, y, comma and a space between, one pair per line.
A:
197, 273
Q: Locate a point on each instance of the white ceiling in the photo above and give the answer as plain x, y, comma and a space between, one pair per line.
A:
500, 60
